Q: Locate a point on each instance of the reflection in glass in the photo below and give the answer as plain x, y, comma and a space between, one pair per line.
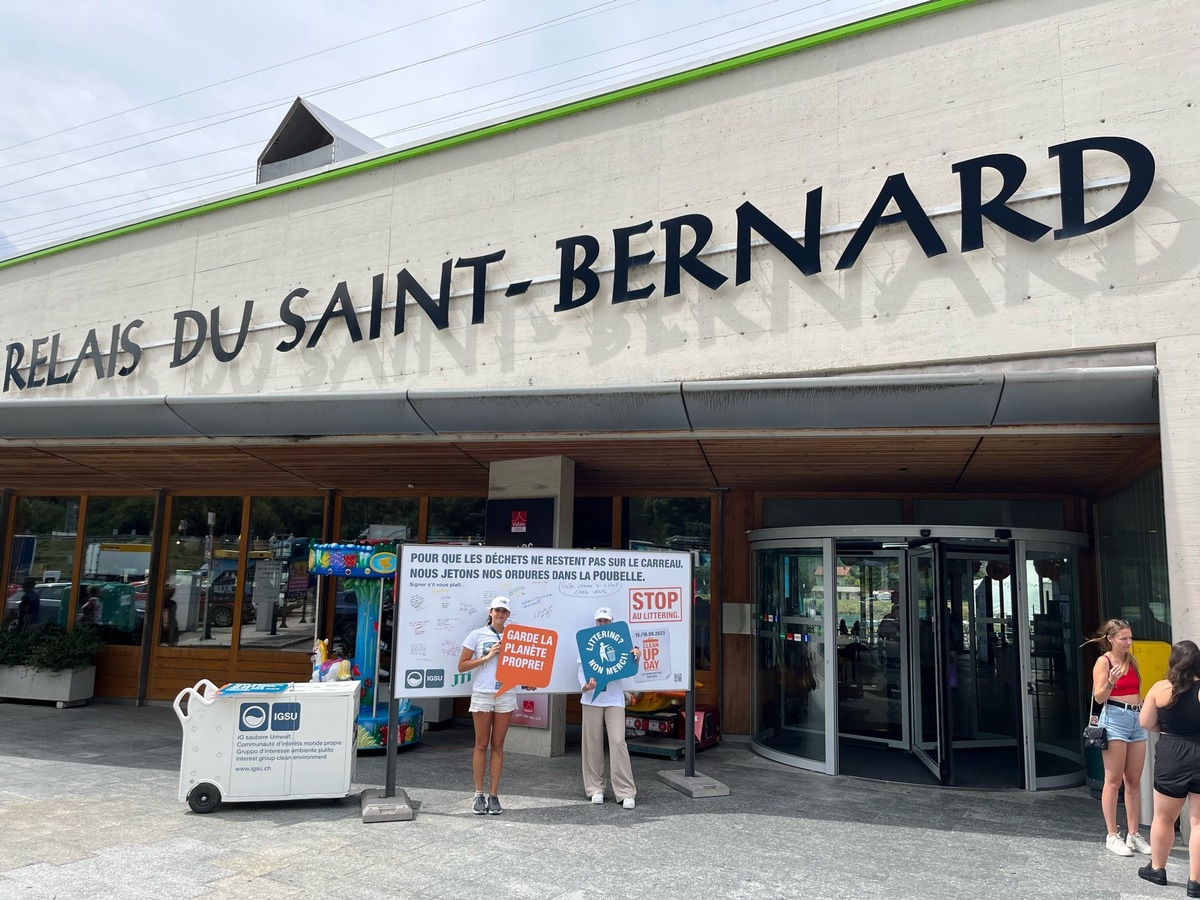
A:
870, 695
789, 711
278, 585
456, 520
116, 561
1053, 598
680, 523
202, 560
41, 559
379, 519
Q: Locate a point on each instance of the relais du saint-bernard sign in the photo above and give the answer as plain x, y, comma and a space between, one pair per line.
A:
115, 351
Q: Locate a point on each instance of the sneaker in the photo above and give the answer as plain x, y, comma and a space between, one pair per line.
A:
479, 807
1157, 876
628, 803
493, 806
597, 798
1117, 846
1137, 843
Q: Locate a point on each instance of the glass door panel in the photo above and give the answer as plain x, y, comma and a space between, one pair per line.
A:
925, 670
789, 666
871, 692
1054, 683
983, 681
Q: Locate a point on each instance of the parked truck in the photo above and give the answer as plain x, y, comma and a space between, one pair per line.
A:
112, 561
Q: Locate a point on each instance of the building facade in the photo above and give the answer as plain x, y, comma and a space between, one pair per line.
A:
900, 312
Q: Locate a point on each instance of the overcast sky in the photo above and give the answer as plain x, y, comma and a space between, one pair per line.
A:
115, 110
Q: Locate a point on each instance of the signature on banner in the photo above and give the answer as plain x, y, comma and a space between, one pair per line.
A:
587, 589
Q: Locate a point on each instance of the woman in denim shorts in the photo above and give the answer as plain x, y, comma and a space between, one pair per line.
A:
1116, 686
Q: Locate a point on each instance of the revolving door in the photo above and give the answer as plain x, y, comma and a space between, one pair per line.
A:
945, 656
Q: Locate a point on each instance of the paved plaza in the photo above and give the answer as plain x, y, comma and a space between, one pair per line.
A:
88, 809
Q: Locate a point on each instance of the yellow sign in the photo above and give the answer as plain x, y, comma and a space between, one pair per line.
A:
1152, 659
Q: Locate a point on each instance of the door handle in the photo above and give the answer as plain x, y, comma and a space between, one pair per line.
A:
1030, 689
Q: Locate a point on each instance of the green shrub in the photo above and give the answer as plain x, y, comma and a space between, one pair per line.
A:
50, 648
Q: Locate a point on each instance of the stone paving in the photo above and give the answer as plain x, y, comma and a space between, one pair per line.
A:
88, 809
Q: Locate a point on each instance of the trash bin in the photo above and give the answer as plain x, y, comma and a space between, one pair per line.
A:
266, 742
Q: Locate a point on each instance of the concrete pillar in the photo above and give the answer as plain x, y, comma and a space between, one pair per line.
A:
543, 476
1178, 360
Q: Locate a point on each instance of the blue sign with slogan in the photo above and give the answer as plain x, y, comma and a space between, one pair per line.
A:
243, 687
606, 652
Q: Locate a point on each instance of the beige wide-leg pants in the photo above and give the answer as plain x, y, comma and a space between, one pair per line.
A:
597, 720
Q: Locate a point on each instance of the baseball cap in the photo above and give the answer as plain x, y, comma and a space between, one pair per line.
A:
500, 603
603, 613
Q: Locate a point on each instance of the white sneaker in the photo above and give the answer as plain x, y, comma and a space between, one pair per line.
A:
628, 803
1117, 846
597, 798
1137, 843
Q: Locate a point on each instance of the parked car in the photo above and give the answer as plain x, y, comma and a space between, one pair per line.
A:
117, 601
54, 596
221, 608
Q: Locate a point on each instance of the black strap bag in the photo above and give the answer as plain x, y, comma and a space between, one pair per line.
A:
1095, 734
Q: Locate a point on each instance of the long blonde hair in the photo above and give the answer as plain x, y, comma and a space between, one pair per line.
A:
1104, 636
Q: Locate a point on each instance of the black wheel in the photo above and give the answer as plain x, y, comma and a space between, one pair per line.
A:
204, 798
222, 617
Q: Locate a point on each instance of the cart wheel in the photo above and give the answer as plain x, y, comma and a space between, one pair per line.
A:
204, 798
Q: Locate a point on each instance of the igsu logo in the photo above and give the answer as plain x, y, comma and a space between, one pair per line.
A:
253, 717
285, 716
276, 716
427, 678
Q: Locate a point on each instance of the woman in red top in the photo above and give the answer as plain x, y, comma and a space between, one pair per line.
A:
1116, 685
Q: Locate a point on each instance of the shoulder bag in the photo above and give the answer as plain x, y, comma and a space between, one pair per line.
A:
1095, 734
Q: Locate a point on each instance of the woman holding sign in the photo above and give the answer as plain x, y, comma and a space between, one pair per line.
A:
491, 714
605, 712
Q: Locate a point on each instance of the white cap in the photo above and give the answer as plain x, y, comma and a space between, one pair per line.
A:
500, 603
603, 613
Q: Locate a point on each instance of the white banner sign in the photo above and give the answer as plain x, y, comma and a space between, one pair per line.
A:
444, 593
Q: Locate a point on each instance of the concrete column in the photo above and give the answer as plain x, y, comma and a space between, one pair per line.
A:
543, 476
1178, 360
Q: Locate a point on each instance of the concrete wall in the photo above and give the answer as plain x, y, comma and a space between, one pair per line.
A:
991, 77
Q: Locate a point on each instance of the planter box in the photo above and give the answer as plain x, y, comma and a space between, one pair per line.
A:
61, 688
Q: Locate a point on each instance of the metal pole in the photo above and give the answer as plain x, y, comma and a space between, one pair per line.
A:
389, 785
689, 703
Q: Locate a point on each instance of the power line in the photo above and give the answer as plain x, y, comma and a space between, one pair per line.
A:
545, 90
519, 32
239, 77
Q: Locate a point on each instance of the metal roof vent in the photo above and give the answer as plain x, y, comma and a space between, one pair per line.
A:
309, 138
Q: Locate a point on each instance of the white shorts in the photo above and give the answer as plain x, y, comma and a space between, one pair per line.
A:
486, 701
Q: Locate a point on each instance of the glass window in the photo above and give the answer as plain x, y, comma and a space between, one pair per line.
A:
370, 519
456, 520
41, 560
680, 523
1133, 558
277, 584
593, 522
116, 562
202, 560
379, 519
991, 513
798, 512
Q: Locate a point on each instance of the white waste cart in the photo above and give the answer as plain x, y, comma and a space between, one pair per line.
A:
266, 742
